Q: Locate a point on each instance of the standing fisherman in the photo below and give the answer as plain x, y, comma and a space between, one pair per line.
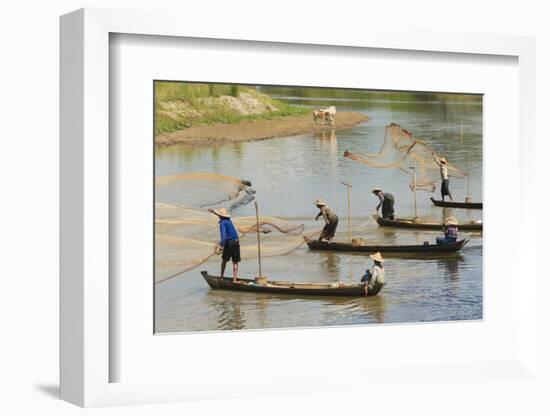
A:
229, 242
442, 163
375, 279
331, 221
386, 202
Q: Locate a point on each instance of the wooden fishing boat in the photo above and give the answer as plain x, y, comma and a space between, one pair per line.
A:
408, 223
449, 204
418, 248
290, 288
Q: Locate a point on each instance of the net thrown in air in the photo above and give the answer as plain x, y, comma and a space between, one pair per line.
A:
204, 189
401, 151
186, 234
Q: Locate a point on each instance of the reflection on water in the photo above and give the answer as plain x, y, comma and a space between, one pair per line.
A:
230, 315
234, 311
289, 173
331, 262
419, 288
451, 270
327, 135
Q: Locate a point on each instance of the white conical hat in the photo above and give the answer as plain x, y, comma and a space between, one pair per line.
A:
377, 257
319, 202
451, 220
222, 212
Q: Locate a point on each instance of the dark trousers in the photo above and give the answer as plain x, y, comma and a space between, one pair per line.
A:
387, 207
445, 189
445, 240
329, 230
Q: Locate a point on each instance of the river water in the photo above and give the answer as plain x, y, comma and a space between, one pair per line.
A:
289, 173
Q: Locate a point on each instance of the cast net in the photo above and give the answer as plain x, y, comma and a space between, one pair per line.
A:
186, 234
410, 155
203, 190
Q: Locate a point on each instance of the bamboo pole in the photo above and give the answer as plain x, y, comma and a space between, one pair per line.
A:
349, 210
349, 214
258, 235
414, 189
468, 197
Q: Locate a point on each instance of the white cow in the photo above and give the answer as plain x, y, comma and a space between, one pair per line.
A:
318, 115
325, 115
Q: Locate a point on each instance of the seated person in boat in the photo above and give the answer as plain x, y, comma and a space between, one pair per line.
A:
229, 242
450, 228
331, 221
386, 202
442, 163
374, 280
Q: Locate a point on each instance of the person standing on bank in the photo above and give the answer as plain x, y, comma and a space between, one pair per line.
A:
386, 202
442, 163
331, 221
374, 280
229, 242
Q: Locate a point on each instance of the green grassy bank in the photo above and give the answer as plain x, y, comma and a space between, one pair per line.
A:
180, 105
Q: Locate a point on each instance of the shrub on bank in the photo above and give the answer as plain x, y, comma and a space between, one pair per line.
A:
180, 105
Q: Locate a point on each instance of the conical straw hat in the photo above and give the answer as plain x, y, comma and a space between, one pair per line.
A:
222, 212
451, 220
320, 202
377, 257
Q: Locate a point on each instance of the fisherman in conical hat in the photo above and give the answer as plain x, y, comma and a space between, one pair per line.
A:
386, 202
442, 163
331, 221
229, 242
450, 229
374, 280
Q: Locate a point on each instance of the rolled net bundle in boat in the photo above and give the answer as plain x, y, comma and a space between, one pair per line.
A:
187, 237
204, 189
401, 151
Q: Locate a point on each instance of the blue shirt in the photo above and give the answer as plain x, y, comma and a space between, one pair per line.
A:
227, 231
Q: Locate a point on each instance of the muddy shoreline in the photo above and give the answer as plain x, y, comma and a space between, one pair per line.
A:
253, 130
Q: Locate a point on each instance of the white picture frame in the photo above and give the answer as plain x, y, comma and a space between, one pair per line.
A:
86, 355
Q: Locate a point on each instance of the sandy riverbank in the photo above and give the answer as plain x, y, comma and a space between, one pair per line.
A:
252, 130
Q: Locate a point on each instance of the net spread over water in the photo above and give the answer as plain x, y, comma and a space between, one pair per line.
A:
410, 155
187, 234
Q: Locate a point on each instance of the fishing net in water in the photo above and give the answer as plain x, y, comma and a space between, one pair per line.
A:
202, 190
187, 237
401, 151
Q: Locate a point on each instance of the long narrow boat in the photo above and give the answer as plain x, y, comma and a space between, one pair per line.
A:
289, 288
408, 223
418, 248
449, 204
